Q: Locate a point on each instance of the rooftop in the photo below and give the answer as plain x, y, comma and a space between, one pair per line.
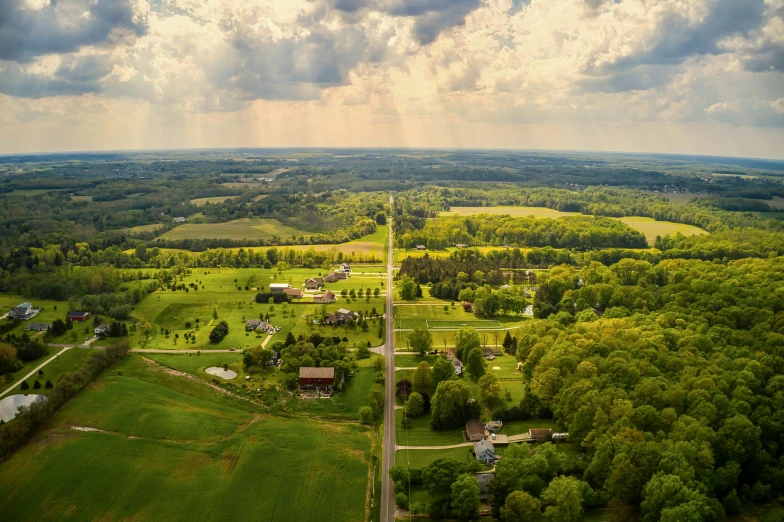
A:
309, 372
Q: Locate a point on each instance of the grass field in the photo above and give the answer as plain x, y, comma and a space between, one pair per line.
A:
81, 198
69, 361
440, 324
244, 228
648, 226
27, 368
143, 228
213, 200
173, 449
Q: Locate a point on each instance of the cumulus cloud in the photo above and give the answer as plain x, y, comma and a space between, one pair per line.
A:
73, 76
65, 26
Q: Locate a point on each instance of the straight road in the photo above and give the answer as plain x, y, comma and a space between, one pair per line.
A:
388, 450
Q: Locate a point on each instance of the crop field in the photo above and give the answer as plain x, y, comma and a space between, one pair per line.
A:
143, 228
213, 200
648, 226
189, 453
244, 228
652, 228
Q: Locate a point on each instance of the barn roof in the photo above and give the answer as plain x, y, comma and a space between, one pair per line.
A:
309, 372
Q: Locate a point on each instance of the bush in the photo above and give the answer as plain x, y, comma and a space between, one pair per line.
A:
401, 500
37, 385
48, 385
25, 386
220, 331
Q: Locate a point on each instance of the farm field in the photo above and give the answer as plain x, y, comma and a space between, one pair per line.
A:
143, 228
648, 226
188, 451
238, 229
213, 200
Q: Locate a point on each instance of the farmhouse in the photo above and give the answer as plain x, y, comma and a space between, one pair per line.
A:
252, 324
326, 298
474, 430
179, 219
341, 317
78, 317
331, 278
485, 452
491, 350
23, 312
278, 288
314, 283
310, 377
101, 330
345, 268
294, 293
37, 327
542, 434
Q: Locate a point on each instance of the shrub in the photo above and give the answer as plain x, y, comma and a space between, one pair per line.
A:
25, 386
37, 385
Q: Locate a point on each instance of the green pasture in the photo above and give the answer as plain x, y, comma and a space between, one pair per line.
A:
174, 449
411, 361
243, 228
213, 200
422, 458
419, 433
652, 228
27, 367
143, 228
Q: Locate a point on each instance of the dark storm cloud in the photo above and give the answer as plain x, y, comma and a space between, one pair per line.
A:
767, 59
431, 17
60, 27
74, 76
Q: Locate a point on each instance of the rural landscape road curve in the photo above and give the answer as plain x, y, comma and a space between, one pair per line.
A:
388, 450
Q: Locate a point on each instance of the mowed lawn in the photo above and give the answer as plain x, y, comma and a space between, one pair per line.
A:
177, 450
652, 228
68, 361
239, 229
212, 200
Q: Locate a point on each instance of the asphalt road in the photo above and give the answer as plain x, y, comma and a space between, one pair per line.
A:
388, 454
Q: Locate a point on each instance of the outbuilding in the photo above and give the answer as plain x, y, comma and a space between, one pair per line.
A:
311, 377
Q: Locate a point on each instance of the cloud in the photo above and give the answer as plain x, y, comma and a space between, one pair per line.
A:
74, 76
65, 26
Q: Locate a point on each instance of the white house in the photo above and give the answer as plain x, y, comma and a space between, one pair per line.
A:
485, 451
277, 288
345, 268
23, 312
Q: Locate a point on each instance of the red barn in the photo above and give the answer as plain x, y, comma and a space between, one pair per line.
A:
310, 377
79, 317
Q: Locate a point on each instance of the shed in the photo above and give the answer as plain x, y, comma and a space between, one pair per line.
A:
316, 377
277, 288
474, 430
540, 433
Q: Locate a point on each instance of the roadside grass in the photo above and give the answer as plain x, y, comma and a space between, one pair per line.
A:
69, 361
419, 433
422, 458
411, 361
177, 450
238, 229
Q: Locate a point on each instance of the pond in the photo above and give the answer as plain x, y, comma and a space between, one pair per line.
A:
220, 372
10, 405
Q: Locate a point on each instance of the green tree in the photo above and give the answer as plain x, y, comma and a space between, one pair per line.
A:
731, 503
422, 375
464, 498
421, 340
448, 404
475, 363
520, 507
439, 476
8, 361
490, 389
377, 400
563, 500
467, 339
407, 289
415, 405
442, 371
366, 415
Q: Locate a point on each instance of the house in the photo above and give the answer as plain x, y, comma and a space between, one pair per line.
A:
494, 426
179, 219
310, 377
474, 430
325, 298
294, 293
22, 312
314, 283
331, 278
38, 327
458, 366
485, 452
273, 360
542, 434
343, 275
278, 288
101, 330
263, 326
460, 245
450, 354
252, 324
78, 317
421, 247
341, 317
345, 268
483, 479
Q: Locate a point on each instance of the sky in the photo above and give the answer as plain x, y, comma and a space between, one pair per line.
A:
672, 76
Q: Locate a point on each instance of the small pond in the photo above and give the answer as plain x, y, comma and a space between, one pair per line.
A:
10, 405
217, 371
